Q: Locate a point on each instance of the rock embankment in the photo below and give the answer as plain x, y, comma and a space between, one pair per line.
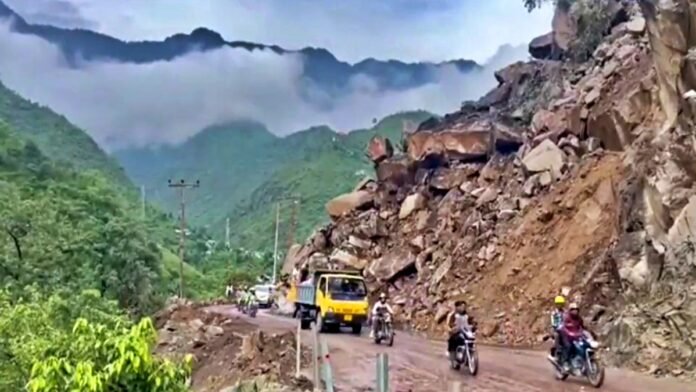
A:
566, 175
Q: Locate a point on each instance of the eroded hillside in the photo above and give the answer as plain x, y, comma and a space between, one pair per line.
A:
571, 173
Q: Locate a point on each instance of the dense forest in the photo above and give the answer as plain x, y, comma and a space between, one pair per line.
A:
82, 266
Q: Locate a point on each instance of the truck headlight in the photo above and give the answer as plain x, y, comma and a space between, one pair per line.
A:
330, 309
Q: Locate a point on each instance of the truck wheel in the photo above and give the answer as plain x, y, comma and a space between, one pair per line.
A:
357, 329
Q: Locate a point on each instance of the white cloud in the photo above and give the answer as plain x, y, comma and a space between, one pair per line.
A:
409, 30
166, 102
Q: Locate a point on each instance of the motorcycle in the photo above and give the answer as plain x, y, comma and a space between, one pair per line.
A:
583, 362
466, 354
384, 328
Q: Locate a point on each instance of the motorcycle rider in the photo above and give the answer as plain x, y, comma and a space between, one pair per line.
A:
556, 322
458, 321
251, 295
572, 329
379, 305
244, 297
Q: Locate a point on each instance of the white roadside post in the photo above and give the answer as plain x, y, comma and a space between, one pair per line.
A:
326, 366
382, 372
298, 350
315, 358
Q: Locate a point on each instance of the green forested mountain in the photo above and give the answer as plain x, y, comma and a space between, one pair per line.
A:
68, 230
244, 170
78, 265
56, 137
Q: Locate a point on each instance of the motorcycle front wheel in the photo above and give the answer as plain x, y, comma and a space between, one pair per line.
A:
472, 361
595, 373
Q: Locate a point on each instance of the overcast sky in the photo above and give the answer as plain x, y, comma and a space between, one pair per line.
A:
122, 105
410, 30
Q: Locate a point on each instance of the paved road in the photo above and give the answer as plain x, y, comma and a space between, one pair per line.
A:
420, 365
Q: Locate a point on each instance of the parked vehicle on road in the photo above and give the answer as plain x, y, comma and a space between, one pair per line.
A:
466, 354
384, 329
583, 362
332, 299
264, 295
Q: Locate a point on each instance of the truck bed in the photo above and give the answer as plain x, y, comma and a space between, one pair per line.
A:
306, 293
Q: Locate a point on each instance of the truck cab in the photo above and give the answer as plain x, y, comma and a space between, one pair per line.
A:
332, 299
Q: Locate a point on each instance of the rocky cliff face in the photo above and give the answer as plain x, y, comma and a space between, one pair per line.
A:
574, 177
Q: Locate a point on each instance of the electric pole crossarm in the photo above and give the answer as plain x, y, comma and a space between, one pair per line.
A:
181, 187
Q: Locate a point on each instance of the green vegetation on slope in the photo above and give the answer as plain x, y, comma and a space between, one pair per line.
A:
70, 231
69, 342
244, 170
56, 137
64, 233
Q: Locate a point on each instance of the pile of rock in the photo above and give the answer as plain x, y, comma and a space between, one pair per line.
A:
227, 350
577, 175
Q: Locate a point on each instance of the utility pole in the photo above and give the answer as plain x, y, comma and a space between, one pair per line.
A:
275, 246
227, 233
181, 186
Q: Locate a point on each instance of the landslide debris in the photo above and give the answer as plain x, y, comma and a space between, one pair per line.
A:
567, 175
228, 352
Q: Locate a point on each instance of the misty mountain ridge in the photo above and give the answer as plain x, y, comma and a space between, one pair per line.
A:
320, 65
244, 170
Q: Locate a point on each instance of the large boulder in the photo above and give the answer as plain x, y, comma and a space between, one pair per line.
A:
379, 149
412, 203
542, 47
347, 259
395, 173
348, 202
463, 145
391, 264
545, 156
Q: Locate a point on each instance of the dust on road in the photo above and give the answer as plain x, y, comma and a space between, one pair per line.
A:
420, 365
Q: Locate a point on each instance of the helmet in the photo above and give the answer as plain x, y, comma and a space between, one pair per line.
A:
559, 300
573, 306
383, 296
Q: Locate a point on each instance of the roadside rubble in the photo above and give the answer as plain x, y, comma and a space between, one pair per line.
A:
564, 175
228, 351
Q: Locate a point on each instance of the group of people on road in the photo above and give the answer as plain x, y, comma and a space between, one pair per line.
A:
567, 326
244, 294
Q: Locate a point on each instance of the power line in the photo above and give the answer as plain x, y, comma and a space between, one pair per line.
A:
181, 187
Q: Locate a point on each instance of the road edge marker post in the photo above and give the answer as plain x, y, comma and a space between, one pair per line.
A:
315, 358
298, 350
382, 372
326, 366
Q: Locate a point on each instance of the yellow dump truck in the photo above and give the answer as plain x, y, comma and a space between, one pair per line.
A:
331, 299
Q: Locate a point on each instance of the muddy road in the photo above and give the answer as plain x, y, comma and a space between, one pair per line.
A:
419, 365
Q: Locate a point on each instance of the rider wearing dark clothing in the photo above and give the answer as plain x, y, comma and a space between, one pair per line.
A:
571, 330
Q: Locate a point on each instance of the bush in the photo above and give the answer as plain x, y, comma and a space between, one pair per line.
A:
99, 359
78, 343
